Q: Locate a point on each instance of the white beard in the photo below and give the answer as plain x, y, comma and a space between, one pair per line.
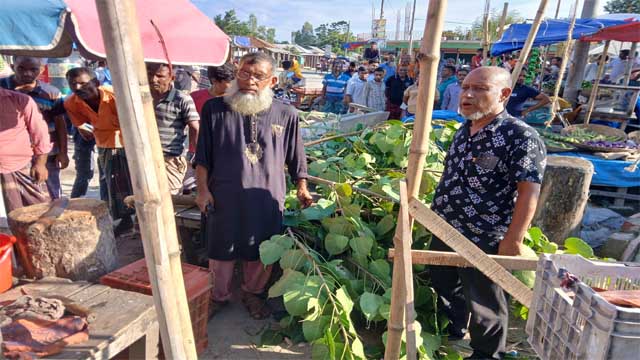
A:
248, 104
477, 115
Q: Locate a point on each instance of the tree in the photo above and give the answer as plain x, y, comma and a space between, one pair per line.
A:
622, 6
231, 25
334, 34
305, 36
513, 17
253, 24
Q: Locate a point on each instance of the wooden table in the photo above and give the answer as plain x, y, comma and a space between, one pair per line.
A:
123, 319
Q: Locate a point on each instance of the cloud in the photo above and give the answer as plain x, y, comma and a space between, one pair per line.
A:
288, 16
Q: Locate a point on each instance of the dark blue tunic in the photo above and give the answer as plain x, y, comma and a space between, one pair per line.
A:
248, 198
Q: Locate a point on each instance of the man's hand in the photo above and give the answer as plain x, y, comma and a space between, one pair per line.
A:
87, 135
304, 197
203, 199
509, 247
63, 160
39, 173
524, 113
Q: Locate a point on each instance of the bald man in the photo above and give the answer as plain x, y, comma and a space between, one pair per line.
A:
489, 192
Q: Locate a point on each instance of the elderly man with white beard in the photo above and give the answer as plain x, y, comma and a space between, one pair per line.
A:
246, 139
489, 192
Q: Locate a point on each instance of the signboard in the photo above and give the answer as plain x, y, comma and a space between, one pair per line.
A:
379, 29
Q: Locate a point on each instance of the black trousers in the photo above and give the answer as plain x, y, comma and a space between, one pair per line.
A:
467, 293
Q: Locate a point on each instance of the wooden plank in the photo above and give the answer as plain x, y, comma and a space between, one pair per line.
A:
121, 318
619, 194
146, 348
458, 242
447, 258
631, 250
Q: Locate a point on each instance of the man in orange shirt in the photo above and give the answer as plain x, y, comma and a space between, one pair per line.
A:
24, 146
92, 109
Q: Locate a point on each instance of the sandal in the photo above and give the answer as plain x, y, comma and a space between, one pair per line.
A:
256, 306
215, 307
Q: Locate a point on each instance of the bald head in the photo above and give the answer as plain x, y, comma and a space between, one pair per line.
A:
485, 92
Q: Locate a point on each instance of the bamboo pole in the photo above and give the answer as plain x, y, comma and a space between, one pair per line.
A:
546, 48
596, 85
121, 35
565, 61
524, 53
503, 20
630, 61
485, 32
413, 14
429, 59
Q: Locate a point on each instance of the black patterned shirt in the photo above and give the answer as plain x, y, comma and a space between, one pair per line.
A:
477, 191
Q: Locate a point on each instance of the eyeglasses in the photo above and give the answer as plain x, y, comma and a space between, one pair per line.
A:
245, 75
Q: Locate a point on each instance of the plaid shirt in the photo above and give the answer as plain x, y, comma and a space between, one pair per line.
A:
374, 93
477, 191
173, 113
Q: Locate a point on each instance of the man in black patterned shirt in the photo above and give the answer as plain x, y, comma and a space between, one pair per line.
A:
489, 192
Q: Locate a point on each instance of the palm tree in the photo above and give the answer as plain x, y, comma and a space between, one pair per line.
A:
513, 17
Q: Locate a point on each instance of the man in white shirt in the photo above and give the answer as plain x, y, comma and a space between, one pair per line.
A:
355, 88
618, 66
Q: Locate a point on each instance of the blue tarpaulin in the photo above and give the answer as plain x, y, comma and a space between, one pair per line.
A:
609, 172
550, 32
32, 24
242, 41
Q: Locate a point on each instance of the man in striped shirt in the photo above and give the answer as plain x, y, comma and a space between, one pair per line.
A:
174, 112
334, 85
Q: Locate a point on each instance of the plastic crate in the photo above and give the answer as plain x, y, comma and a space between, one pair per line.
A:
577, 323
198, 284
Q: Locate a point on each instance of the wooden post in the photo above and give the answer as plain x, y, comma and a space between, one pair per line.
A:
565, 60
563, 197
596, 85
503, 19
123, 45
485, 33
413, 14
429, 58
630, 61
524, 53
449, 258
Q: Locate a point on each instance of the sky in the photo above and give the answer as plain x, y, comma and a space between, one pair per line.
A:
287, 16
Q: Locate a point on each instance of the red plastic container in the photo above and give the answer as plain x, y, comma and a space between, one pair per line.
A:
6, 271
198, 284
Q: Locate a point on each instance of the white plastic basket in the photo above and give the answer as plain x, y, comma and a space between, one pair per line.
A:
577, 323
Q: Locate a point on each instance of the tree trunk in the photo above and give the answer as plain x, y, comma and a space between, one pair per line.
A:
78, 244
563, 197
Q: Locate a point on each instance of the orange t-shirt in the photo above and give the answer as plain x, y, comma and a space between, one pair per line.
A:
106, 126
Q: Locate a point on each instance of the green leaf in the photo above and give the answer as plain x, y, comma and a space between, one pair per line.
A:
288, 279
335, 244
536, 235
283, 240
320, 210
271, 251
370, 305
526, 277
385, 225
574, 245
351, 210
338, 225
318, 167
314, 329
549, 248
345, 301
357, 348
344, 190
320, 351
293, 259
361, 245
296, 300
385, 311
431, 343
381, 269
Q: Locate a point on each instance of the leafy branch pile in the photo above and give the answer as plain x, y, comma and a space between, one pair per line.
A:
335, 269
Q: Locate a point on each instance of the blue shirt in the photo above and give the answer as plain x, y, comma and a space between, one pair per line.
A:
335, 85
477, 191
389, 71
520, 95
442, 87
451, 97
